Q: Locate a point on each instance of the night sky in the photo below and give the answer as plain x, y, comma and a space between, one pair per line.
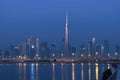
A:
19, 19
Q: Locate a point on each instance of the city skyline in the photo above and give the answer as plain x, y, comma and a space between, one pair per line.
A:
66, 38
63, 39
33, 48
46, 19
67, 41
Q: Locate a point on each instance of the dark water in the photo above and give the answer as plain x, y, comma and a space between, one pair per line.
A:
52, 71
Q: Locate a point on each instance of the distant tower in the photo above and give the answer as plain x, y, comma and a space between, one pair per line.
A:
89, 49
37, 46
106, 48
24, 48
117, 51
66, 46
32, 46
93, 47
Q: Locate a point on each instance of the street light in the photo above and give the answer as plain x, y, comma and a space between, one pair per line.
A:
97, 54
82, 55
62, 55
116, 54
108, 55
37, 55
53, 55
24, 57
73, 54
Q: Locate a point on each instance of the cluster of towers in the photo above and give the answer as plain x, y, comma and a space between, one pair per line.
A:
32, 48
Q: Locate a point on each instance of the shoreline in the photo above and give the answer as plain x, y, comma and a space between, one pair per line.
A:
63, 61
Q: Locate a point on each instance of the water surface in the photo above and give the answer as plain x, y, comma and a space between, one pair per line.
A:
52, 71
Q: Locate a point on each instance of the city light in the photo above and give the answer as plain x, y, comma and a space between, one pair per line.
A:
108, 55
97, 53
73, 54
116, 54
33, 46
62, 55
89, 55
53, 55
82, 55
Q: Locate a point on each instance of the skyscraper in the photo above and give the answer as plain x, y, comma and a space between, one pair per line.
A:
89, 49
32, 46
117, 51
37, 46
82, 51
66, 46
93, 47
98, 50
24, 48
53, 52
106, 48
11, 51
44, 52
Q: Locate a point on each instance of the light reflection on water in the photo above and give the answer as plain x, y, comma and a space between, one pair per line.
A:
20, 71
108, 66
73, 71
82, 71
37, 72
32, 71
96, 70
62, 71
57, 71
24, 71
89, 71
53, 71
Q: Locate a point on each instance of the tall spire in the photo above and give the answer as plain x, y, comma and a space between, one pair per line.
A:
66, 37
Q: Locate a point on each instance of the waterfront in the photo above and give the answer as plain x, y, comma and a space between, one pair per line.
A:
52, 71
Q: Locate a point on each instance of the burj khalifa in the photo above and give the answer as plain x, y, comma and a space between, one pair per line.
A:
66, 46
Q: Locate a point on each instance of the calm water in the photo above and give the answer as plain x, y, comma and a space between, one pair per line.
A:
52, 71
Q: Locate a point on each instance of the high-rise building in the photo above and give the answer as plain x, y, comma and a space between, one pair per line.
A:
17, 50
73, 49
106, 48
2, 54
37, 46
24, 48
93, 47
33, 41
53, 52
117, 51
11, 51
89, 49
82, 51
29, 48
66, 44
98, 50
44, 52
32, 46
6, 54
102, 51
14, 51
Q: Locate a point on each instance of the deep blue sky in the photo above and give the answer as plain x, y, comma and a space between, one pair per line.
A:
46, 19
